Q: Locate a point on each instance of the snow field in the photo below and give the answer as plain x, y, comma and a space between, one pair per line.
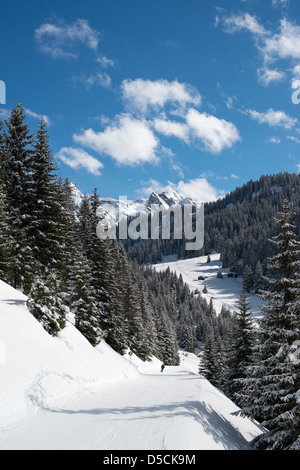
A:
61, 393
223, 291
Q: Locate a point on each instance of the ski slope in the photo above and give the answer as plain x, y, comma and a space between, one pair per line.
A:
223, 291
61, 393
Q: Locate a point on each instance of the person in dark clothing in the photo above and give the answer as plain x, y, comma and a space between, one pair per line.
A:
162, 367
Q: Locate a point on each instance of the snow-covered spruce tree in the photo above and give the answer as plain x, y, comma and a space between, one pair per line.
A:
46, 302
248, 281
103, 256
18, 143
213, 359
166, 335
207, 361
86, 225
5, 221
240, 353
150, 336
47, 217
273, 383
82, 299
258, 277
133, 315
220, 363
18, 151
186, 329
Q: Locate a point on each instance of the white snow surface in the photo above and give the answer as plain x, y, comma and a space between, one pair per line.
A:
61, 393
223, 291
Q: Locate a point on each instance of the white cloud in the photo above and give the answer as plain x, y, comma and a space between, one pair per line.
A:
78, 158
105, 62
296, 71
142, 94
100, 78
151, 186
59, 40
128, 141
273, 140
280, 44
293, 139
34, 115
172, 128
273, 118
295, 84
285, 44
198, 189
229, 101
216, 134
235, 23
266, 76
283, 3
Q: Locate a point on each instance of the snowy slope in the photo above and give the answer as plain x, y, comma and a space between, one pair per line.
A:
38, 368
223, 291
61, 393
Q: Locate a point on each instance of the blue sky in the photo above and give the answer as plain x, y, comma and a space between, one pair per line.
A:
144, 95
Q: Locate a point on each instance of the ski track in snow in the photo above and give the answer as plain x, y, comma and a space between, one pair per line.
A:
171, 411
61, 393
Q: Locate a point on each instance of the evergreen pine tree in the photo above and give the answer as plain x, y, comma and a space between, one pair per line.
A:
46, 302
6, 241
272, 385
19, 185
220, 363
240, 356
150, 336
248, 282
258, 278
82, 301
167, 340
207, 361
47, 217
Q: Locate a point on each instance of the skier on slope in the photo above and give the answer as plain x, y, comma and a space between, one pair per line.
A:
162, 367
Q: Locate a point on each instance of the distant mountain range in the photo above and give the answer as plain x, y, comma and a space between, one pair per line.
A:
238, 226
111, 208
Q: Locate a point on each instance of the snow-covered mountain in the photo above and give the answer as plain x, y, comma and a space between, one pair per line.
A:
77, 195
113, 208
61, 393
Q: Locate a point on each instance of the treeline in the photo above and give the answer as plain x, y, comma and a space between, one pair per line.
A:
237, 226
52, 253
240, 225
259, 368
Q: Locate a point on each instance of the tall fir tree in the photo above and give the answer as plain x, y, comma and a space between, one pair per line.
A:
82, 299
207, 362
102, 255
47, 201
6, 241
240, 355
46, 302
248, 280
273, 383
147, 316
18, 149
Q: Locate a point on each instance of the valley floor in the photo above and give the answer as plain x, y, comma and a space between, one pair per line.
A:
224, 291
